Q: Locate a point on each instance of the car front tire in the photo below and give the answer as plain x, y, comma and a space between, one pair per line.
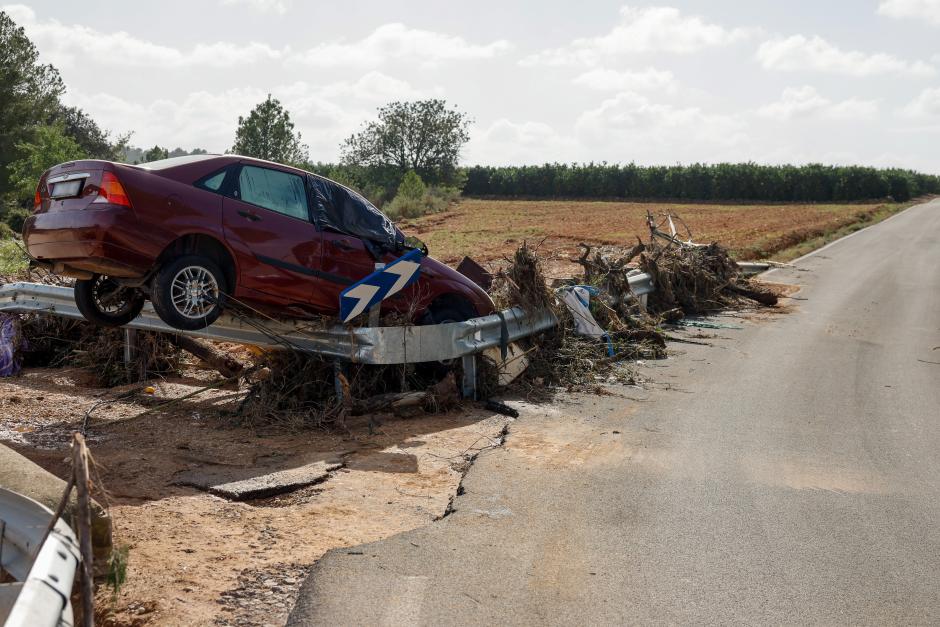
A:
102, 301
187, 292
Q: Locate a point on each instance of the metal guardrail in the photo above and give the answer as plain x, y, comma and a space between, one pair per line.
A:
367, 345
40, 595
750, 268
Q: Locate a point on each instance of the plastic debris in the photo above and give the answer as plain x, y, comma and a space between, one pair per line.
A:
11, 345
577, 298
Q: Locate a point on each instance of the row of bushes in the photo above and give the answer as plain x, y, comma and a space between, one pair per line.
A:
723, 181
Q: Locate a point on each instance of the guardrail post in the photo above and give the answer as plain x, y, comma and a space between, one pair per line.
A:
130, 354
338, 372
130, 345
469, 383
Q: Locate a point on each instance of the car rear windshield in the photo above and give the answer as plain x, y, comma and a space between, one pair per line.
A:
172, 162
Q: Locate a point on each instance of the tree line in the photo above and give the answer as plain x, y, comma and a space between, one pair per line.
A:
722, 181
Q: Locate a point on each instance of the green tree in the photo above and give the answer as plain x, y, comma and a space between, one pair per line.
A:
155, 154
412, 186
425, 136
268, 133
86, 133
29, 92
49, 146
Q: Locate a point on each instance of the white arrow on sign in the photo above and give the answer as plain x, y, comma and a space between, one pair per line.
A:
404, 270
364, 292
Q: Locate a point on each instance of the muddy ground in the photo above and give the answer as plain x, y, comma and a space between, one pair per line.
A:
200, 559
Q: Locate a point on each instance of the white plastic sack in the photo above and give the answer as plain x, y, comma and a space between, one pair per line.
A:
578, 299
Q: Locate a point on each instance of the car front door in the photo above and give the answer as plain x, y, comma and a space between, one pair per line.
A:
266, 220
341, 215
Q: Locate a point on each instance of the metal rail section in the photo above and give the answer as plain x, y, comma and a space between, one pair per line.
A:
44, 574
367, 345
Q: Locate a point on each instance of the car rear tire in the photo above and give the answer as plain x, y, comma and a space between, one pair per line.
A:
187, 292
102, 301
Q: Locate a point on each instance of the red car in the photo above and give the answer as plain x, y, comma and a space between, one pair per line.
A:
189, 232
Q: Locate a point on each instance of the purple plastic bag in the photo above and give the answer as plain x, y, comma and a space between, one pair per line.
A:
11, 346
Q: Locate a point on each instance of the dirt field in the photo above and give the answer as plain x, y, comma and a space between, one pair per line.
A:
489, 230
201, 559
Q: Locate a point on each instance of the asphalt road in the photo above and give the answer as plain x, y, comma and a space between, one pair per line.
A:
792, 475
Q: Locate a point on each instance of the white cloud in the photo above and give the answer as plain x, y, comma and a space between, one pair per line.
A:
630, 127
325, 114
800, 53
511, 143
925, 105
397, 41
263, 6
646, 29
928, 10
604, 79
62, 44
806, 102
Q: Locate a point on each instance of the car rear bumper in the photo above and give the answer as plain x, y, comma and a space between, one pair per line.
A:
95, 240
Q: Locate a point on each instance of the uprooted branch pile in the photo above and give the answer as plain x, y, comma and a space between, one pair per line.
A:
295, 389
53, 341
696, 279
562, 357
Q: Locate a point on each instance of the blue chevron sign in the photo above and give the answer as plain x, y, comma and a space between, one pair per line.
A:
379, 285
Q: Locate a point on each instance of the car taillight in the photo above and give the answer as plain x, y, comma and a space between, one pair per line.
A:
111, 191
37, 201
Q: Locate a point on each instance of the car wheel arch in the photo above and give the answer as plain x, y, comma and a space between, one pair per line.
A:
202, 244
453, 300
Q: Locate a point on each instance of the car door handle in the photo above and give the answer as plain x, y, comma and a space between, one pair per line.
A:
338, 243
251, 216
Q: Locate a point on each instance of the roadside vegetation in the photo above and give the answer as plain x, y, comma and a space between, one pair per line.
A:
13, 259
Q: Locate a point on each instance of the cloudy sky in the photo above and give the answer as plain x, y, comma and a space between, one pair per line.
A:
840, 81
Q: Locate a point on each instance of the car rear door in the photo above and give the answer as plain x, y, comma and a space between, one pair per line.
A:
266, 219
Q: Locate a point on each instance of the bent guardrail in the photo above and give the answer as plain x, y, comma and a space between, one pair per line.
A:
44, 571
367, 345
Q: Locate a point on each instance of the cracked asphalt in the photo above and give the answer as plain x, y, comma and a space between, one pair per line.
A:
791, 476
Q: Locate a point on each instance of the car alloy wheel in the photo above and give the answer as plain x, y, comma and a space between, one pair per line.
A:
194, 292
187, 292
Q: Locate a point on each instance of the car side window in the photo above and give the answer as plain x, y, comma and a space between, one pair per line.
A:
214, 182
274, 190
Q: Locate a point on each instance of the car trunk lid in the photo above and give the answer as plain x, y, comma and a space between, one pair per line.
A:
70, 186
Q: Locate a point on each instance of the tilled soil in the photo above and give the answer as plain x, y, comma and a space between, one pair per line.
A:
490, 230
198, 559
